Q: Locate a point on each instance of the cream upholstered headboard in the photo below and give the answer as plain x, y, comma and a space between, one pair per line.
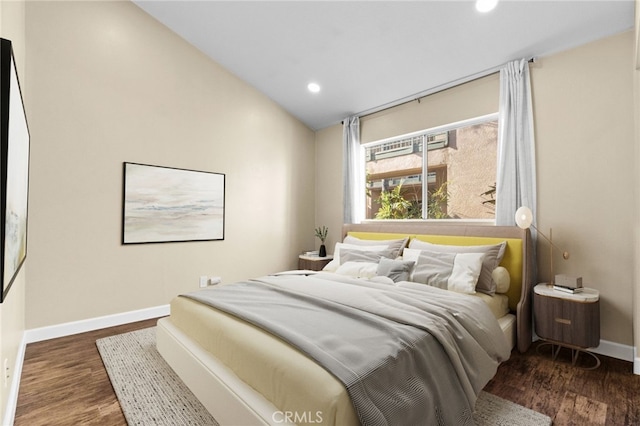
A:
518, 256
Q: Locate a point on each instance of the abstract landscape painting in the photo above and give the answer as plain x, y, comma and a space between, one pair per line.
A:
14, 170
164, 204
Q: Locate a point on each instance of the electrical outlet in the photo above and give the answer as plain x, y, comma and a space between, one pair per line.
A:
6, 372
204, 281
215, 280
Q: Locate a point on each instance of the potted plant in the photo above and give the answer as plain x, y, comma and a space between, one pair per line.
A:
321, 232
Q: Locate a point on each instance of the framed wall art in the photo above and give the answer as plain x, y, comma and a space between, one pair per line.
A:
165, 204
14, 170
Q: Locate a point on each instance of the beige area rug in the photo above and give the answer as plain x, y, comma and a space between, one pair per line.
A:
150, 393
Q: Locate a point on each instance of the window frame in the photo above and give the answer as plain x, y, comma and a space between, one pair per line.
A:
424, 134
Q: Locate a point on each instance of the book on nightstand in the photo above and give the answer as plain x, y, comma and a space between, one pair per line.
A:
567, 289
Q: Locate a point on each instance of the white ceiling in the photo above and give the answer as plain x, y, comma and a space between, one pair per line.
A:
370, 54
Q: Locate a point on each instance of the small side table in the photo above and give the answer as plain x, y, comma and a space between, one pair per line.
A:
569, 320
313, 263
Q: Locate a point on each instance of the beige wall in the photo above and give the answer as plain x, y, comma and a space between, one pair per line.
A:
583, 106
329, 190
12, 310
110, 84
584, 126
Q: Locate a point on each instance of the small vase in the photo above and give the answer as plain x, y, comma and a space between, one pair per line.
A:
323, 251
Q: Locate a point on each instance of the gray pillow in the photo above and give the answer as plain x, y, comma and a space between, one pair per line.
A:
352, 255
493, 255
434, 269
450, 271
397, 270
395, 244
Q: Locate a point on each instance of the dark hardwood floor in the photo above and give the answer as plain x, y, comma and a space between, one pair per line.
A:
608, 395
64, 383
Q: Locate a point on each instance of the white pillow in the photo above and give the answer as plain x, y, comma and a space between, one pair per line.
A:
411, 254
358, 269
502, 279
465, 273
335, 263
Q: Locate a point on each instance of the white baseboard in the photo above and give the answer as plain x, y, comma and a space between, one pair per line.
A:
76, 327
615, 350
12, 397
636, 362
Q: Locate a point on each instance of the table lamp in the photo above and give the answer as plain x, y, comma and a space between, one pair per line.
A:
524, 220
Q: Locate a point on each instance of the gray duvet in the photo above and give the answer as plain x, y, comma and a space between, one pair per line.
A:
408, 354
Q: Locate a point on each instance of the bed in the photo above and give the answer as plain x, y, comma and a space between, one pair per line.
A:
244, 375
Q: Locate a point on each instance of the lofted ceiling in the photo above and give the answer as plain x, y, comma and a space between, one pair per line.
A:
366, 55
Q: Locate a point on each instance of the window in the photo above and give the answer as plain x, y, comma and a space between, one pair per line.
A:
458, 167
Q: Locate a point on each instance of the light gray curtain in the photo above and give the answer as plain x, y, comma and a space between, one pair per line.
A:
516, 174
353, 171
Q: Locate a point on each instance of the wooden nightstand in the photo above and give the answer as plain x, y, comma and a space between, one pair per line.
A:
313, 263
567, 320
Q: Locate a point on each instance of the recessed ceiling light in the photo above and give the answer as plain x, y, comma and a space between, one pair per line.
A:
486, 5
313, 87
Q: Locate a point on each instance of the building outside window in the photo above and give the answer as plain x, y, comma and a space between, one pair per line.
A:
458, 167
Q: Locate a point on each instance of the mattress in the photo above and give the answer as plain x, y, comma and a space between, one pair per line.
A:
283, 375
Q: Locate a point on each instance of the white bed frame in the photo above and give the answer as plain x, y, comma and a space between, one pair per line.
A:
230, 400
233, 402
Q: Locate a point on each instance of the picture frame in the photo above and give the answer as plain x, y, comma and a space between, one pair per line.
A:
166, 204
14, 171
